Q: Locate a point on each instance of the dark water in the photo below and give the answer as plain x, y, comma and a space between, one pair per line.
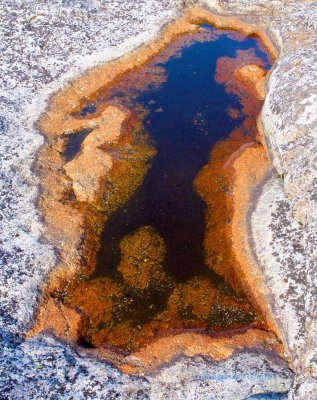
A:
73, 143
187, 116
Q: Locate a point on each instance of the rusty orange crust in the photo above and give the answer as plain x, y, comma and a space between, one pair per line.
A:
253, 76
240, 164
64, 219
67, 323
250, 167
166, 348
218, 348
99, 299
74, 228
214, 183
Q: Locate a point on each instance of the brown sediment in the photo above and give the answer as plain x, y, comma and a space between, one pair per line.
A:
71, 207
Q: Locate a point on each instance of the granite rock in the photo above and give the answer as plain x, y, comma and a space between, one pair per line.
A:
44, 45
44, 368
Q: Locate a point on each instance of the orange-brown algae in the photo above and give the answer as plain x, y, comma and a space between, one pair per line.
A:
131, 157
143, 255
233, 113
253, 77
86, 295
57, 201
67, 323
240, 79
89, 168
199, 304
218, 347
214, 182
78, 246
73, 226
251, 169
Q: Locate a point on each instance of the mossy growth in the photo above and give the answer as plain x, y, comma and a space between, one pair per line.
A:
131, 160
142, 259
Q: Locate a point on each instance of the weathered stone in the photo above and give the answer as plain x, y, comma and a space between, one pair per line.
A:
45, 368
89, 167
48, 43
253, 76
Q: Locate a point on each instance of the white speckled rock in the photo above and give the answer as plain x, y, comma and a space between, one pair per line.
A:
281, 255
240, 377
43, 368
44, 44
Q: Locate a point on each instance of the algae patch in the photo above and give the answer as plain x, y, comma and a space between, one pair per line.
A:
166, 246
148, 180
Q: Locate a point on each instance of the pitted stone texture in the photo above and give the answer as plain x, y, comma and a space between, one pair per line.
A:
290, 124
238, 378
279, 246
26, 373
43, 368
303, 387
45, 44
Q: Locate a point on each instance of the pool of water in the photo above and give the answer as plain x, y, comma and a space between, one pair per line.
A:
152, 246
187, 114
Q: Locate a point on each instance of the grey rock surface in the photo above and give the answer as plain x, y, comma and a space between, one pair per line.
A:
43, 368
240, 377
46, 43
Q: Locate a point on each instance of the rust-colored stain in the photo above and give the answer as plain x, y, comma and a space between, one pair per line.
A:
94, 309
214, 181
142, 259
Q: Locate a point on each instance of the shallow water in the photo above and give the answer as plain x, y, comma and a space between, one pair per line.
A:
185, 112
